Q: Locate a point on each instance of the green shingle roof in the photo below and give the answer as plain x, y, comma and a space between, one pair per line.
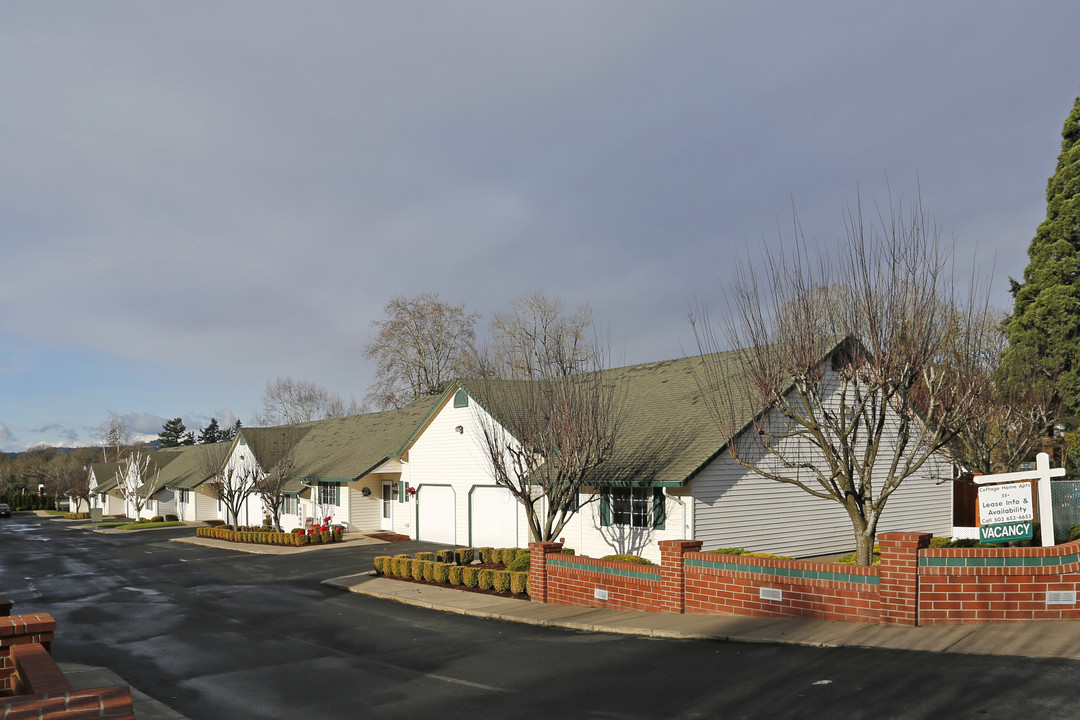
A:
340, 449
191, 465
667, 432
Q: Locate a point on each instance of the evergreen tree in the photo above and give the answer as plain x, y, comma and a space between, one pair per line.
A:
211, 433
172, 433
231, 432
1044, 332
189, 438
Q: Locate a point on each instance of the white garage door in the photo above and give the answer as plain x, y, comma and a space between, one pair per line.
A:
493, 517
436, 507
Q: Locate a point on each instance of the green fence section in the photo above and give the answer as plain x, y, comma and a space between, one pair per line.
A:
1065, 496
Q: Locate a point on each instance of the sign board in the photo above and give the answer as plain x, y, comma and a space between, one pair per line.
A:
1006, 503
1004, 511
95, 515
1006, 532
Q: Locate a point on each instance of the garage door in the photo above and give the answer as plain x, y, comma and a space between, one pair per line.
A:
436, 513
493, 517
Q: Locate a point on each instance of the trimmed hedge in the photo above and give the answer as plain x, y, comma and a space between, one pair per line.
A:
519, 582
635, 559
469, 576
500, 580
485, 579
445, 556
453, 575
487, 554
464, 556
440, 571
425, 556
262, 537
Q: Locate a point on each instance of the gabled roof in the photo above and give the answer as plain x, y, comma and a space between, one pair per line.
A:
339, 449
667, 432
105, 474
192, 465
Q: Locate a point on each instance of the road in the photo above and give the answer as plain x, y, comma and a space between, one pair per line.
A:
223, 634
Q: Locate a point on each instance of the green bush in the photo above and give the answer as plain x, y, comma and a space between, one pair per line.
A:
485, 578
445, 556
429, 569
520, 564
567, 551
453, 574
500, 580
486, 554
440, 571
1074, 532
169, 517
519, 582
157, 518
464, 556
425, 556
469, 576
407, 566
741, 551
380, 564
635, 559
418, 569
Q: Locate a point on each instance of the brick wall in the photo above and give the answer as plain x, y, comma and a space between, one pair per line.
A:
32, 687
914, 585
20, 630
976, 585
733, 584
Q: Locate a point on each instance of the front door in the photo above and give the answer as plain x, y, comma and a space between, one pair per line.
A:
386, 520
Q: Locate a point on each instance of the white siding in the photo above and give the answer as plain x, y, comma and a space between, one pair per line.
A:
735, 507
364, 512
443, 456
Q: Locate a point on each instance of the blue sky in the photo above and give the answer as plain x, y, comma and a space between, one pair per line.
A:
198, 197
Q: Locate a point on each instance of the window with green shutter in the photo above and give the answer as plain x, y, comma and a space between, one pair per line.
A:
633, 507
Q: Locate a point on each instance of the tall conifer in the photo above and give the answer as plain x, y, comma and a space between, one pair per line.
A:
1044, 332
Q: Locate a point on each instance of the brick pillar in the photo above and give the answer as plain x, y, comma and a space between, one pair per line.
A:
899, 589
672, 574
538, 552
19, 630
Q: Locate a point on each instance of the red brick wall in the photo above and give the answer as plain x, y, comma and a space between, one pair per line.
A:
915, 585
577, 585
19, 630
724, 591
974, 585
112, 703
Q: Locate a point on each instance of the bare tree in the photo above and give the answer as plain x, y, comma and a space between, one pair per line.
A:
131, 478
70, 476
275, 451
851, 398
232, 482
287, 402
419, 347
1009, 421
539, 338
115, 435
549, 434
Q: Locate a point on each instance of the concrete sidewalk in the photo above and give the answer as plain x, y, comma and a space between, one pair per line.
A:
1049, 639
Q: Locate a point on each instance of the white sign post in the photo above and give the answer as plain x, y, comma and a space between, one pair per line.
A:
1041, 473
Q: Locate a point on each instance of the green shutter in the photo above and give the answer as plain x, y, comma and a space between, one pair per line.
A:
461, 399
401, 491
605, 509
658, 511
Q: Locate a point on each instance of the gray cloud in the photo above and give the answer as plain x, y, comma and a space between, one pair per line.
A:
235, 190
6, 436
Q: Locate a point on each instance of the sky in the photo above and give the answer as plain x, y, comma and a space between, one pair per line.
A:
198, 197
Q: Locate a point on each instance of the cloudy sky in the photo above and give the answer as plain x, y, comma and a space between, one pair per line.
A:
196, 197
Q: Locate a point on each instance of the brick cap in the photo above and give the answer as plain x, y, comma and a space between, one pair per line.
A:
546, 547
680, 544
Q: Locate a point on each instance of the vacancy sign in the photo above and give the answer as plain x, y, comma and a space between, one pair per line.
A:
1001, 506
1006, 512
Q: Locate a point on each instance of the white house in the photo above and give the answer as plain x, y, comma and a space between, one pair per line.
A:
673, 478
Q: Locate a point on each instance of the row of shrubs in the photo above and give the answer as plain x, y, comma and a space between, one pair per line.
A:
449, 573
269, 537
28, 501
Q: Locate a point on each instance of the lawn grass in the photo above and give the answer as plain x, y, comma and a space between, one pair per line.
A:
142, 525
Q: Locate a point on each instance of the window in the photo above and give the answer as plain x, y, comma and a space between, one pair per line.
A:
329, 494
633, 507
461, 399
184, 496
290, 506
